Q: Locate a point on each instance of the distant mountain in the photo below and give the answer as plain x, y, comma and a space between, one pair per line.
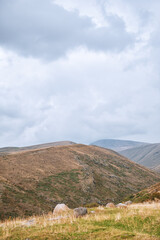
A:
117, 145
8, 150
157, 168
33, 181
148, 156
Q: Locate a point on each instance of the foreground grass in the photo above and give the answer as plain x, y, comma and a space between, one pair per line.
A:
138, 222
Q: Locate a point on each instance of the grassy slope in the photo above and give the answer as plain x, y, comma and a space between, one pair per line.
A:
7, 150
149, 194
136, 223
148, 155
33, 182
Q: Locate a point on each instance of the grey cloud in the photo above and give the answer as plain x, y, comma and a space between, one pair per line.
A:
84, 102
85, 96
42, 29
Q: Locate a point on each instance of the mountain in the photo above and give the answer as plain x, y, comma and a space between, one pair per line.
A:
34, 181
148, 155
117, 145
157, 168
6, 150
150, 194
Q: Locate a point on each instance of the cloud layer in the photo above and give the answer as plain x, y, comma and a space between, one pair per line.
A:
78, 71
42, 29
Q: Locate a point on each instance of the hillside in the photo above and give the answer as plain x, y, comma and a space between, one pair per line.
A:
34, 181
117, 145
148, 155
7, 150
150, 194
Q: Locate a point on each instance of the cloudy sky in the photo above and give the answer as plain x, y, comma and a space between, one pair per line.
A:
79, 70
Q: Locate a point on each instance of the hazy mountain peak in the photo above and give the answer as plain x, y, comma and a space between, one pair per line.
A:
116, 144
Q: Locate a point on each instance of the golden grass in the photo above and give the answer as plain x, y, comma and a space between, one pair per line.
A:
137, 222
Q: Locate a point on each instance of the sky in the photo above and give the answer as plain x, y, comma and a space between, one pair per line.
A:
79, 70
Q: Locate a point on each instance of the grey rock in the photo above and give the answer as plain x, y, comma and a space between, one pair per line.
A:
81, 211
121, 205
128, 202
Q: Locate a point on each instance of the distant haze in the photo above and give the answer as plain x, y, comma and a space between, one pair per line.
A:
75, 70
118, 145
146, 155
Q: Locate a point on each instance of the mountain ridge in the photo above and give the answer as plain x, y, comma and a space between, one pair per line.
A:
148, 156
117, 145
8, 150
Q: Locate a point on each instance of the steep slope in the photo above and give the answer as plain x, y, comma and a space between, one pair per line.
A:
33, 181
6, 150
117, 145
150, 194
148, 155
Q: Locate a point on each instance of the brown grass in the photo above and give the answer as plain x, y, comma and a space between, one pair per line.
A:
34, 181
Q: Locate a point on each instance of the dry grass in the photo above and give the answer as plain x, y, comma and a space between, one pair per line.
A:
137, 222
34, 181
146, 205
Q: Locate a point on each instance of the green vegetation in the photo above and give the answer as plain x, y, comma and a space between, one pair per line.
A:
65, 178
150, 194
111, 224
91, 205
60, 184
34, 181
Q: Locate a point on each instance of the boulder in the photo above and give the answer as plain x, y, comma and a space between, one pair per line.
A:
60, 208
100, 208
81, 211
128, 203
121, 205
110, 205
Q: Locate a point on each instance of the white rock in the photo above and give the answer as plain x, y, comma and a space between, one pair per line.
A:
60, 208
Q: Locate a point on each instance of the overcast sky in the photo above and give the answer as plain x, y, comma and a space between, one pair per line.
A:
79, 70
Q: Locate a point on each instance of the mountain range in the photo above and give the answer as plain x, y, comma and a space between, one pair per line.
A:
117, 145
148, 155
142, 153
